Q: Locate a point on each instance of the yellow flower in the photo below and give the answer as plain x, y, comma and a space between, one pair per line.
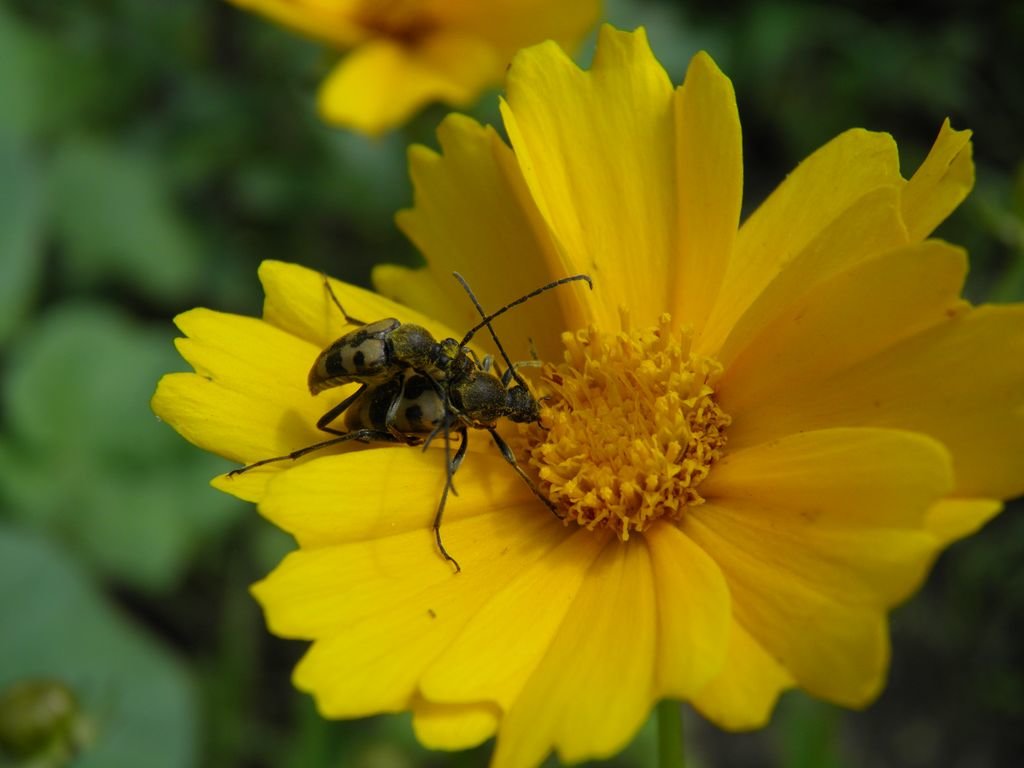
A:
404, 54
760, 435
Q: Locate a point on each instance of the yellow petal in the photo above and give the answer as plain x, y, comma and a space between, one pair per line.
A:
709, 173
826, 327
871, 567
514, 24
693, 613
962, 382
869, 227
245, 354
419, 288
382, 83
217, 420
593, 689
502, 644
453, 726
319, 592
952, 519
811, 198
944, 179
818, 534
391, 490
593, 148
332, 23
743, 694
380, 611
297, 302
474, 215
836, 649
836, 478
248, 398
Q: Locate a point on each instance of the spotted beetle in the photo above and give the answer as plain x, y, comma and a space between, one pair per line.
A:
413, 388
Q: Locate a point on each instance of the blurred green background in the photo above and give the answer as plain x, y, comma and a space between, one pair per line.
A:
153, 153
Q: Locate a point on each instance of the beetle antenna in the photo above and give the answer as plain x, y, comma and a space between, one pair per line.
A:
486, 321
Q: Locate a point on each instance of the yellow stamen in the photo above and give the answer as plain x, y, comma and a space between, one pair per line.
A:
631, 427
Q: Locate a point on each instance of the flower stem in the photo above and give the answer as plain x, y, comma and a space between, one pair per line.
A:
670, 735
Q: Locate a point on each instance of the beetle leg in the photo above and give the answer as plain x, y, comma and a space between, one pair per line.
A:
450, 470
460, 453
445, 425
363, 435
336, 411
348, 318
510, 457
389, 421
508, 375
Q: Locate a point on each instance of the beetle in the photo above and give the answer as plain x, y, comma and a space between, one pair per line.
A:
376, 354
413, 387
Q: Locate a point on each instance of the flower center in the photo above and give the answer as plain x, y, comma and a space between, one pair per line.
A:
406, 21
630, 427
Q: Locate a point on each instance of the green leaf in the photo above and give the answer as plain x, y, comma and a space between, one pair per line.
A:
22, 209
43, 85
86, 458
118, 221
26, 62
58, 626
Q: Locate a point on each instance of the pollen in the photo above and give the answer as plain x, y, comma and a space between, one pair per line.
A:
629, 427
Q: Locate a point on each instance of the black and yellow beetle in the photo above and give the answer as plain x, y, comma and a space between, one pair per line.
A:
414, 387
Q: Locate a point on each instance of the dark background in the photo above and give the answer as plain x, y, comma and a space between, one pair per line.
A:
153, 153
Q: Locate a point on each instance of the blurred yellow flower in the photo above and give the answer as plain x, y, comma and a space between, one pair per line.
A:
404, 54
760, 435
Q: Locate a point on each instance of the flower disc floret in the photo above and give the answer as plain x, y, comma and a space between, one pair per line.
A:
406, 21
631, 427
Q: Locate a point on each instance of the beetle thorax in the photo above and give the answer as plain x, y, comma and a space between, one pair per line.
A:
480, 399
